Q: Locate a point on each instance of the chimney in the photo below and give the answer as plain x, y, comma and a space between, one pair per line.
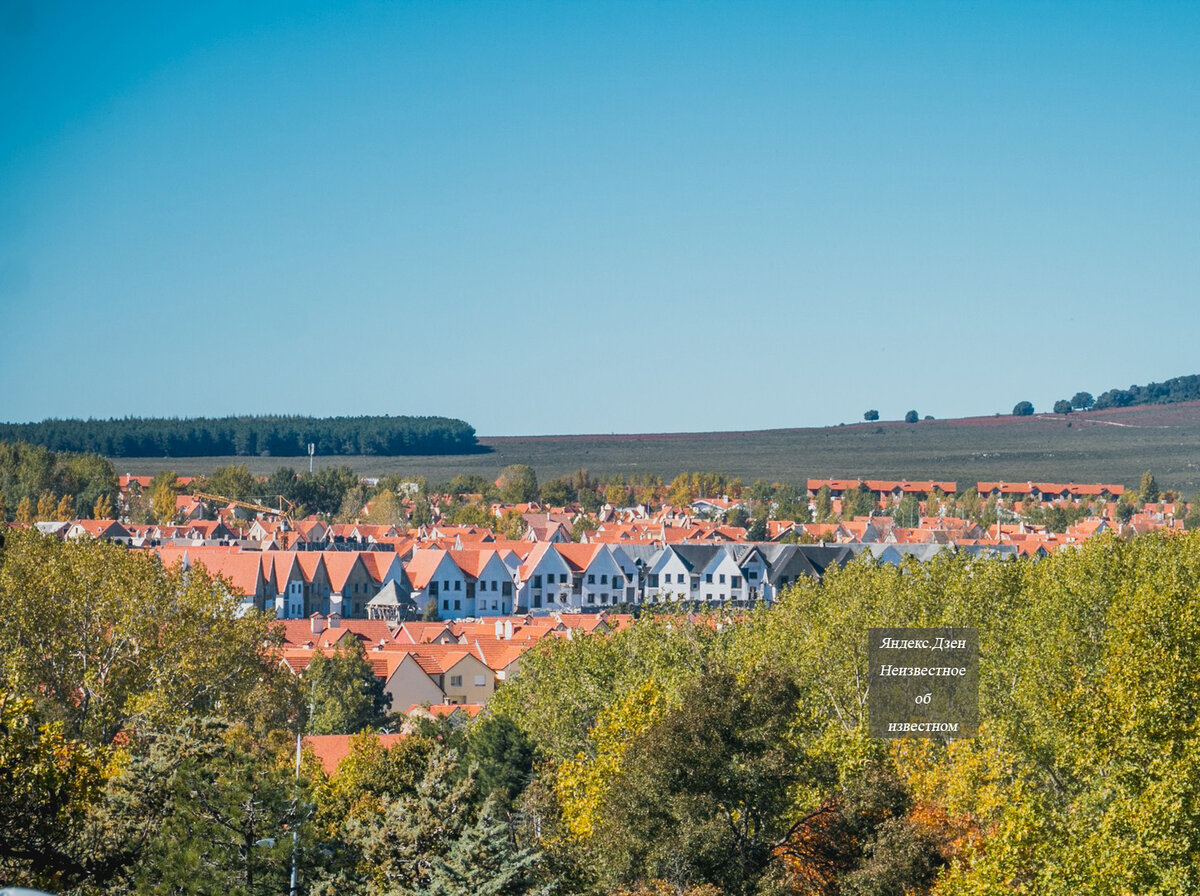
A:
499, 630
508, 630
318, 623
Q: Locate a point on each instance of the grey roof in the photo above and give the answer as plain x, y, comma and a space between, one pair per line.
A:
695, 556
389, 595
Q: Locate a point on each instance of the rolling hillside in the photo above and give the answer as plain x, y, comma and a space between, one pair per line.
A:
1114, 445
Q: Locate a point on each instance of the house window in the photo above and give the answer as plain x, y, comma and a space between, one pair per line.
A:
445, 605
591, 598
604, 578
458, 605
458, 585
537, 581
735, 581
722, 578
679, 578
618, 582
708, 597
506, 589
562, 578
537, 600
591, 578
456, 681
446, 585
479, 681
708, 577
751, 574
433, 589
652, 580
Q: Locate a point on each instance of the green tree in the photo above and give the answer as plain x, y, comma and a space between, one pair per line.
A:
871, 416
912, 417
346, 695
558, 492
518, 484
1023, 409
737, 516
47, 785
1062, 406
233, 805
1149, 488
105, 640
502, 755
705, 793
1082, 401
385, 509
584, 525
858, 501
758, 529
823, 502
485, 860
234, 481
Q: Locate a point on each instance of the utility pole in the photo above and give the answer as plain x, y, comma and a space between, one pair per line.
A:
312, 449
294, 889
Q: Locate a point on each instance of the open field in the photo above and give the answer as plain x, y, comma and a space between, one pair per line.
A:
1111, 446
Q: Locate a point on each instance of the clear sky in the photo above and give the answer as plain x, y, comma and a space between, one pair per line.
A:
593, 217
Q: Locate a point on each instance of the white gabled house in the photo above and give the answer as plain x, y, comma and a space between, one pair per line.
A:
544, 581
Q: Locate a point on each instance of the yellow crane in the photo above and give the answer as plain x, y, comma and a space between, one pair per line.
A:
285, 515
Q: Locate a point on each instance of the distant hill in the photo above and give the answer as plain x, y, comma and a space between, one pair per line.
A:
1181, 388
1115, 445
251, 436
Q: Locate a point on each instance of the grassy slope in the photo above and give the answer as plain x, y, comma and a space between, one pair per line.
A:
1109, 446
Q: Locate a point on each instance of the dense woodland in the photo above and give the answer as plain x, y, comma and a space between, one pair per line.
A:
276, 436
1180, 388
147, 744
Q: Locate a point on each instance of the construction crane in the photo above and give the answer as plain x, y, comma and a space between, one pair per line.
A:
285, 515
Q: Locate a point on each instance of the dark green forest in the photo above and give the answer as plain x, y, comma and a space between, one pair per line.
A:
276, 436
1180, 388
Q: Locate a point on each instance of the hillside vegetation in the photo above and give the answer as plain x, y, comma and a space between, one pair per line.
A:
1115, 445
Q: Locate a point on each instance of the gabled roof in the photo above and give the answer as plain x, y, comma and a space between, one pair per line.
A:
422, 566
578, 556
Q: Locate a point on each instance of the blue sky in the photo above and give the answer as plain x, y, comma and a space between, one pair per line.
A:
593, 217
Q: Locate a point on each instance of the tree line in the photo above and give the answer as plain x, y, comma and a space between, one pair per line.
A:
276, 436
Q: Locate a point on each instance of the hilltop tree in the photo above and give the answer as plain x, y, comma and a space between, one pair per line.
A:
1082, 401
871, 416
912, 417
1062, 406
1023, 409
